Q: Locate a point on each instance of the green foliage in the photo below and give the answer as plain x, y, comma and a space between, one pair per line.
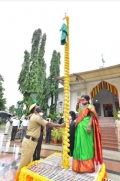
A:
12, 109
45, 96
53, 116
2, 99
115, 114
60, 133
18, 109
57, 134
42, 97
53, 83
32, 78
23, 79
34, 68
54, 134
29, 76
28, 101
61, 114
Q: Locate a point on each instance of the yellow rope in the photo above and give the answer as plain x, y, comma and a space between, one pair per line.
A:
65, 156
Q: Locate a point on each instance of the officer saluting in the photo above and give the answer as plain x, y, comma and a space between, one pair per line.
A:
33, 133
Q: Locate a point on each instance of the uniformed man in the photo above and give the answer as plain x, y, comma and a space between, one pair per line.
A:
30, 141
36, 155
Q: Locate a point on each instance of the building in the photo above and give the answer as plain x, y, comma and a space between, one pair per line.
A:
103, 86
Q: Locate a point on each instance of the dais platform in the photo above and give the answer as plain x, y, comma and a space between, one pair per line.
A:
50, 169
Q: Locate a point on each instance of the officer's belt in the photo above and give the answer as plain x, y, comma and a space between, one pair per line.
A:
32, 138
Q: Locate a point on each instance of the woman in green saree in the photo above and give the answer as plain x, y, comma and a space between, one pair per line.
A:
87, 146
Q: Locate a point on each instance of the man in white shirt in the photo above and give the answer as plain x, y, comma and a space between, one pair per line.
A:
24, 127
7, 126
15, 126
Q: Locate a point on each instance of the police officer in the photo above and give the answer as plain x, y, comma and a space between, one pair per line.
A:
36, 155
30, 140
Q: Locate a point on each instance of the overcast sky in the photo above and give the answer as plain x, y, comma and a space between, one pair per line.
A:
94, 30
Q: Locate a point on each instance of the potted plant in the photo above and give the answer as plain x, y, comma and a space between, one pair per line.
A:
54, 135
53, 116
117, 119
115, 114
60, 134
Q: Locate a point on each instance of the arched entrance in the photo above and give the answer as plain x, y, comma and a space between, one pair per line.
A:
105, 99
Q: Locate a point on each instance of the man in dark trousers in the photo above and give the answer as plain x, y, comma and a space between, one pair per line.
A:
36, 155
15, 126
48, 132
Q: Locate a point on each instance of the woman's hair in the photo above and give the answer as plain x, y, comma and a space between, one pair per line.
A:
73, 115
86, 97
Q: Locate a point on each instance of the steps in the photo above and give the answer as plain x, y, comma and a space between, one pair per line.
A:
106, 122
109, 138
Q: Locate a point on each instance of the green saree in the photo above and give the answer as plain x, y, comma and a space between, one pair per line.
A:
84, 142
86, 145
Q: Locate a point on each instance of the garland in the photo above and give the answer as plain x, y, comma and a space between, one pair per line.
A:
26, 175
102, 174
65, 156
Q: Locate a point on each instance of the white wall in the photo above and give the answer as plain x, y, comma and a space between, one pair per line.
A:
59, 107
60, 99
75, 95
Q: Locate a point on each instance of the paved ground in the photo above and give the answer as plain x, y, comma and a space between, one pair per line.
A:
10, 155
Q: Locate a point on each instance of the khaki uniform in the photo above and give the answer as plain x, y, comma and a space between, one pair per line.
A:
28, 146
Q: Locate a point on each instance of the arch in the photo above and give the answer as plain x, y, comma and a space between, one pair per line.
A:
105, 85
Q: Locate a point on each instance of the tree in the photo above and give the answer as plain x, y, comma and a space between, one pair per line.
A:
42, 73
53, 82
2, 99
32, 81
46, 95
12, 109
28, 80
19, 109
34, 68
23, 79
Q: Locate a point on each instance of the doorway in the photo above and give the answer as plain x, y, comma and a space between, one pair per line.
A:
108, 110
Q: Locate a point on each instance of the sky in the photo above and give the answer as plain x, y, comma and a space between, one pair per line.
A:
94, 30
